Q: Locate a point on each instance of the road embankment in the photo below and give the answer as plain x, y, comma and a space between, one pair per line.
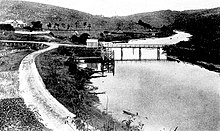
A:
33, 91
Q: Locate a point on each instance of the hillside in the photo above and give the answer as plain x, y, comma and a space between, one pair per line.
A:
156, 19
31, 11
203, 48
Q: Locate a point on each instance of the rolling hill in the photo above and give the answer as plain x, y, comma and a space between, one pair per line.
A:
31, 11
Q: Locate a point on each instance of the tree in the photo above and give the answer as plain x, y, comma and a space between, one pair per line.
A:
36, 25
63, 25
89, 26
49, 25
119, 25
7, 27
84, 24
68, 27
77, 24
56, 25
131, 25
83, 38
102, 37
145, 25
74, 38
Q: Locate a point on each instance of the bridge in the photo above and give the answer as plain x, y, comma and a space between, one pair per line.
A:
127, 45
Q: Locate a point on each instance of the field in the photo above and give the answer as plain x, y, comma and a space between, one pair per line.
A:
14, 114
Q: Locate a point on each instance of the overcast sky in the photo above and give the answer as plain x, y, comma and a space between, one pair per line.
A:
127, 7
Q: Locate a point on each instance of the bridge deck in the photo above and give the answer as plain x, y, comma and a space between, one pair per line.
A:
135, 46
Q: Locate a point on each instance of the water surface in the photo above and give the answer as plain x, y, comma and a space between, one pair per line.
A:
165, 94
169, 94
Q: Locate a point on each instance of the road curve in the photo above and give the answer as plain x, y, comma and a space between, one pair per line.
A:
32, 90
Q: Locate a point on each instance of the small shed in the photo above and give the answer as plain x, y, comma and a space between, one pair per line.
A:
92, 43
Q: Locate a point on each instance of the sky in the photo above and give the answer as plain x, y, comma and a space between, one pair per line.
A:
110, 8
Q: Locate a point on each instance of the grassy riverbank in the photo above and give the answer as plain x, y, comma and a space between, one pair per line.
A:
71, 86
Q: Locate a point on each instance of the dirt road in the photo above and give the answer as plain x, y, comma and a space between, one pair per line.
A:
32, 89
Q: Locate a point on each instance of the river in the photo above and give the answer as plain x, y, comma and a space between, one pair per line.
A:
165, 94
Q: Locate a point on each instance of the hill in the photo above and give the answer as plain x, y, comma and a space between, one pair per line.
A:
31, 11
155, 19
203, 48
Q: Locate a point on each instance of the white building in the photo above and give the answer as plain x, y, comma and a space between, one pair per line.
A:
15, 23
92, 43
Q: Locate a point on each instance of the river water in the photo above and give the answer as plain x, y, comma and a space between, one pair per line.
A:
165, 94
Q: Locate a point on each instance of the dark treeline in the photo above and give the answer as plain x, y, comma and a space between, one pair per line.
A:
204, 45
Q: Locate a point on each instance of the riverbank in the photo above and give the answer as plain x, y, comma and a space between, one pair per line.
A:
202, 64
71, 86
203, 48
199, 50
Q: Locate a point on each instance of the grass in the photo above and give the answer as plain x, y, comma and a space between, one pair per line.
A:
12, 61
16, 116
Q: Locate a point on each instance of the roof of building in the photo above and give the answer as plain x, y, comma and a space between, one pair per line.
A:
92, 40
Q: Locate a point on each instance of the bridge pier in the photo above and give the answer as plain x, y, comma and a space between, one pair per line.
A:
121, 53
158, 53
139, 53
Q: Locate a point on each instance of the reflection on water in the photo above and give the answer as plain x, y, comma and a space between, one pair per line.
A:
169, 94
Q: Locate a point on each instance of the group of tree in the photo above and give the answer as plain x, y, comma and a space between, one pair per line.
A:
81, 39
84, 24
145, 25
204, 43
36, 26
57, 26
6, 27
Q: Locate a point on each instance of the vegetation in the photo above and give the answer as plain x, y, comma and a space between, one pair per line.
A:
6, 27
15, 115
58, 18
145, 25
203, 48
71, 86
11, 61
